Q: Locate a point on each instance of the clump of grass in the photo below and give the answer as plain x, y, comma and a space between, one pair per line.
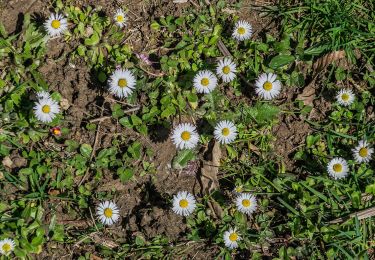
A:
327, 26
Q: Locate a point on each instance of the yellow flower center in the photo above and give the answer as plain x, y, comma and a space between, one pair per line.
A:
122, 83
55, 24
184, 203
108, 213
345, 97
226, 69
267, 86
205, 82
246, 203
46, 109
363, 152
6, 247
185, 135
120, 18
233, 237
225, 131
337, 167
241, 30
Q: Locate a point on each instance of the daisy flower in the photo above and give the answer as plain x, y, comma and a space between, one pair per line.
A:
183, 203
56, 24
267, 86
185, 136
338, 168
225, 132
108, 212
226, 69
246, 203
7, 246
345, 97
46, 108
120, 18
121, 83
205, 81
231, 238
242, 31
363, 152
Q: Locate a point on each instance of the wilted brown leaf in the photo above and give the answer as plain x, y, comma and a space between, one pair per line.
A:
327, 59
308, 94
208, 177
7, 162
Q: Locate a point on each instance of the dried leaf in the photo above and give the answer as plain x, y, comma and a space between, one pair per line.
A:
103, 241
53, 192
64, 104
94, 257
308, 94
327, 59
208, 177
7, 162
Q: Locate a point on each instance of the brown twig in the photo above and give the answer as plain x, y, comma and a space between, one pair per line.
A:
160, 74
102, 118
362, 214
118, 101
194, 3
99, 119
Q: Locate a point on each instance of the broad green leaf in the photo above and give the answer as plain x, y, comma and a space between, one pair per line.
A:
86, 150
93, 40
281, 60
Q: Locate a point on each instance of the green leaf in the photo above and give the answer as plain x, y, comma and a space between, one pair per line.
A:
125, 174
125, 122
155, 26
136, 120
81, 50
93, 40
86, 150
182, 158
281, 60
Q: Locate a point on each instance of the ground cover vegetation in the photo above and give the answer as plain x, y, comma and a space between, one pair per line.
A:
187, 129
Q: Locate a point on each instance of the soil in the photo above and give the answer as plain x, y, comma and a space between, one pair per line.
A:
141, 201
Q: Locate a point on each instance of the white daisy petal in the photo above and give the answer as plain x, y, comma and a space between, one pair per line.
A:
246, 203
122, 83
345, 97
226, 69
120, 18
362, 152
7, 245
231, 238
242, 31
225, 132
46, 109
108, 213
183, 203
56, 25
267, 87
205, 81
338, 168
43, 94
185, 136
